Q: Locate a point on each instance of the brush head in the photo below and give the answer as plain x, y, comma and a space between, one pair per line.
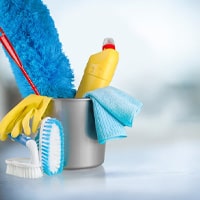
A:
51, 146
22, 167
36, 41
25, 167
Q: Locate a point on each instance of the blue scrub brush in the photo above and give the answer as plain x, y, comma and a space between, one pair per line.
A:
32, 32
50, 138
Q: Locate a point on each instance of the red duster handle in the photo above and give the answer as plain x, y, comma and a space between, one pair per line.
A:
10, 49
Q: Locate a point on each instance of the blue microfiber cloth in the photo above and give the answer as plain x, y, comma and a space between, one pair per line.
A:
31, 30
113, 110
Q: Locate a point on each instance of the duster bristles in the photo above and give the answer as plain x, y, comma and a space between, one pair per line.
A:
32, 32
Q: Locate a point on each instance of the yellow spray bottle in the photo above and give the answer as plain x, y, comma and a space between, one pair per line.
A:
100, 69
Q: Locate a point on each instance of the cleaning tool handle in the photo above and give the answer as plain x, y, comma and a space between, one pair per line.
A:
30, 144
22, 139
10, 49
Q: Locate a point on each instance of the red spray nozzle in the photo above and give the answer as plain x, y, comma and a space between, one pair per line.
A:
108, 43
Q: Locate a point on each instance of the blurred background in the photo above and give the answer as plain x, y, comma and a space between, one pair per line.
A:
159, 48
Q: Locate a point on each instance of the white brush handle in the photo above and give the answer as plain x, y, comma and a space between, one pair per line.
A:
32, 146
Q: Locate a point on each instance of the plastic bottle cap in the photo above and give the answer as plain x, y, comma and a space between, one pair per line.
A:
108, 43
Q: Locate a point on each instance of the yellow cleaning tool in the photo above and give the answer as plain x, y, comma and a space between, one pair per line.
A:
99, 69
33, 107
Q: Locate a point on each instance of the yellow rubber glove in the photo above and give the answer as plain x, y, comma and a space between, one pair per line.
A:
23, 124
39, 114
18, 119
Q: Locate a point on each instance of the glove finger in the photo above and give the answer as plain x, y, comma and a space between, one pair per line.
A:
37, 117
35, 121
17, 129
26, 122
3, 137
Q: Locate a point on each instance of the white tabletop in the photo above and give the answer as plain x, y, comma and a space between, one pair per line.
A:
142, 166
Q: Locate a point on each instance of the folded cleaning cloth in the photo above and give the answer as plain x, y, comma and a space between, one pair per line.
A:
113, 110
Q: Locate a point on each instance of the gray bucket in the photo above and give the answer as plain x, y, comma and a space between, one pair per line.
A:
81, 147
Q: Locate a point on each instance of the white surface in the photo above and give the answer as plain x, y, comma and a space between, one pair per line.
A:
169, 169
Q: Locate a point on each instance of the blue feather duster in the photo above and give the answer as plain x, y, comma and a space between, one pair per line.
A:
31, 30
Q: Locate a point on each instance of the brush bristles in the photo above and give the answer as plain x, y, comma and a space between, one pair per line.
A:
23, 168
52, 146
